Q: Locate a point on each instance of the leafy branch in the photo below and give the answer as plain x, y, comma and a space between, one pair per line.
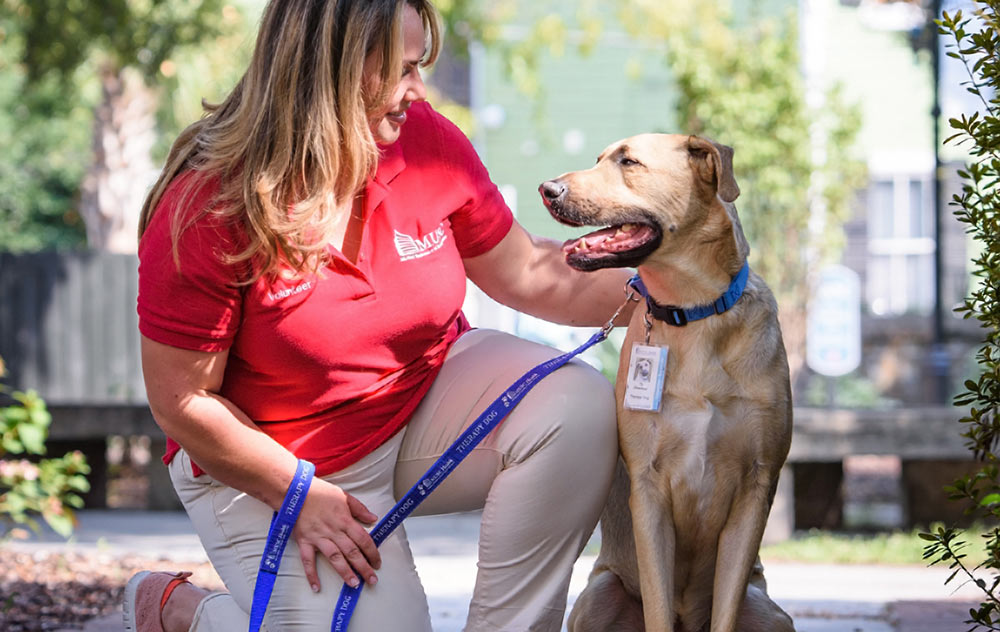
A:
978, 206
47, 487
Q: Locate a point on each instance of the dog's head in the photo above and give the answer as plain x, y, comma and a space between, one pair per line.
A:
652, 191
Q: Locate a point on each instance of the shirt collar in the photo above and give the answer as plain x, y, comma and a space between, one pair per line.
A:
390, 164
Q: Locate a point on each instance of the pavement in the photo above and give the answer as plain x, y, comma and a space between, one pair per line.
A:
821, 598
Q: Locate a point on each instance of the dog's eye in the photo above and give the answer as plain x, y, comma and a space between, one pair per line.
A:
625, 161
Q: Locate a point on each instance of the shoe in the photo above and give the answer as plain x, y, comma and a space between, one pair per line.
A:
145, 595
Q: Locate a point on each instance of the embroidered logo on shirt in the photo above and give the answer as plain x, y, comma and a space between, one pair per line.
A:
282, 294
410, 248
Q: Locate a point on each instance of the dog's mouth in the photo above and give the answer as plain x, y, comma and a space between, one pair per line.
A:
621, 245
618, 246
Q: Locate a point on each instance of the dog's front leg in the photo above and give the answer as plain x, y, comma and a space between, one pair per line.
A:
655, 543
739, 543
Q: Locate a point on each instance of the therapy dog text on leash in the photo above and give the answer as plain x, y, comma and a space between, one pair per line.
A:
702, 448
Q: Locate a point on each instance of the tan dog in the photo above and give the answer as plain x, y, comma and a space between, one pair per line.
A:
683, 524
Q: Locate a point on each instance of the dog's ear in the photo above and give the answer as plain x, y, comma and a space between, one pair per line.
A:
715, 163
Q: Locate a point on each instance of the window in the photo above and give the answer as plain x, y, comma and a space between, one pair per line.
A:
900, 245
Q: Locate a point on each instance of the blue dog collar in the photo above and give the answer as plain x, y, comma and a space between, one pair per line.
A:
678, 316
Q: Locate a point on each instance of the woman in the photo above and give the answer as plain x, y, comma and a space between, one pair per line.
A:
302, 268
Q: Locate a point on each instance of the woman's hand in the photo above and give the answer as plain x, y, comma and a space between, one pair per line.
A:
183, 388
331, 523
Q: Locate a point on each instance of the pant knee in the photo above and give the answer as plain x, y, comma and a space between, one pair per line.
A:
574, 424
583, 403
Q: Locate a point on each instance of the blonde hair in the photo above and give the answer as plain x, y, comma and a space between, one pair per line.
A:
292, 141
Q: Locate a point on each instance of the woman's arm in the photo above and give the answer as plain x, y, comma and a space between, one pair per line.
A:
182, 387
530, 274
183, 391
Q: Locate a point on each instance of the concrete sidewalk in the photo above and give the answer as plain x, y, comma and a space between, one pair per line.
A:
821, 598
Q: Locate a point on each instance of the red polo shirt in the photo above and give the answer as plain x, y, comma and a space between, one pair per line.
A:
332, 365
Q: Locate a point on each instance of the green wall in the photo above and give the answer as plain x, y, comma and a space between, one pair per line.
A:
590, 99
621, 89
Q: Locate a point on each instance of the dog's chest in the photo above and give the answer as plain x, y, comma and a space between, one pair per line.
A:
691, 436
696, 420
696, 378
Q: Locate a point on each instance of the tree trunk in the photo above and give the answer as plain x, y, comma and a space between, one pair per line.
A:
122, 172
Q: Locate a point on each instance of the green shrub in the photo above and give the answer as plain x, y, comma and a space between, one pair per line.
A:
47, 487
978, 206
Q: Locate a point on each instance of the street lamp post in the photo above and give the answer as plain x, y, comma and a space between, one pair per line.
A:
939, 358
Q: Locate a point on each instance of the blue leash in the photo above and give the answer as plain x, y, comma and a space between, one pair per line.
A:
284, 518
474, 434
277, 537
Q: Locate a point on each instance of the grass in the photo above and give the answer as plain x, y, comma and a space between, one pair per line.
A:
897, 548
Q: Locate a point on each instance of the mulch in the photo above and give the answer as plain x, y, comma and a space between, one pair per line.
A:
55, 591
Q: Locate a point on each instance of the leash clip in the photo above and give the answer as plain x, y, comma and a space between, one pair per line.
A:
630, 295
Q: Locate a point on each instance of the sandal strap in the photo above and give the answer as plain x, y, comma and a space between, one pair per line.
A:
179, 578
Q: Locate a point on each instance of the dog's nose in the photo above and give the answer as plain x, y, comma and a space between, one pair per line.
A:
552, 191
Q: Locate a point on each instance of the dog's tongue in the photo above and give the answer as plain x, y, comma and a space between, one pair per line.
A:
613, 239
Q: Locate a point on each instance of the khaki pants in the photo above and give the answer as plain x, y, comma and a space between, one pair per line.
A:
541, 479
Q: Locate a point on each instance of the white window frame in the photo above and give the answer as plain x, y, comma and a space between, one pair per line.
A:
902, 245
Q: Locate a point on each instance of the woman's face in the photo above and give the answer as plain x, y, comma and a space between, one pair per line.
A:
389, 119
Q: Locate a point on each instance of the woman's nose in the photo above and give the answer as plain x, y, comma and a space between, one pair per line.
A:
416, 91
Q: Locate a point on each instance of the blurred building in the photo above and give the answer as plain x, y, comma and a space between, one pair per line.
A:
89, 372
916, 351
874, 50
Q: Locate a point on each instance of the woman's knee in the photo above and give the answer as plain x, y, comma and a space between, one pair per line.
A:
563, 448
576, 405
588, 399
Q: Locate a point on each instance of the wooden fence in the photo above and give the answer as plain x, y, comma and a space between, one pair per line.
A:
69, 329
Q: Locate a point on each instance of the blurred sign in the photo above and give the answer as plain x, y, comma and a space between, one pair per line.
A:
833, 335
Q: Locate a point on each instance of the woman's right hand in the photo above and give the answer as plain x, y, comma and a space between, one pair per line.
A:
331, 522
183, 391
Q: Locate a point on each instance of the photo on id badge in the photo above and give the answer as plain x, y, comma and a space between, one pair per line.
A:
643, 367
646, 373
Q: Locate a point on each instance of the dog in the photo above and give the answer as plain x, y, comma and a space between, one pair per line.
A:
697, 476
643, 370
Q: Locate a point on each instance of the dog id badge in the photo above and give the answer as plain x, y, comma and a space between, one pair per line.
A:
647, 368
